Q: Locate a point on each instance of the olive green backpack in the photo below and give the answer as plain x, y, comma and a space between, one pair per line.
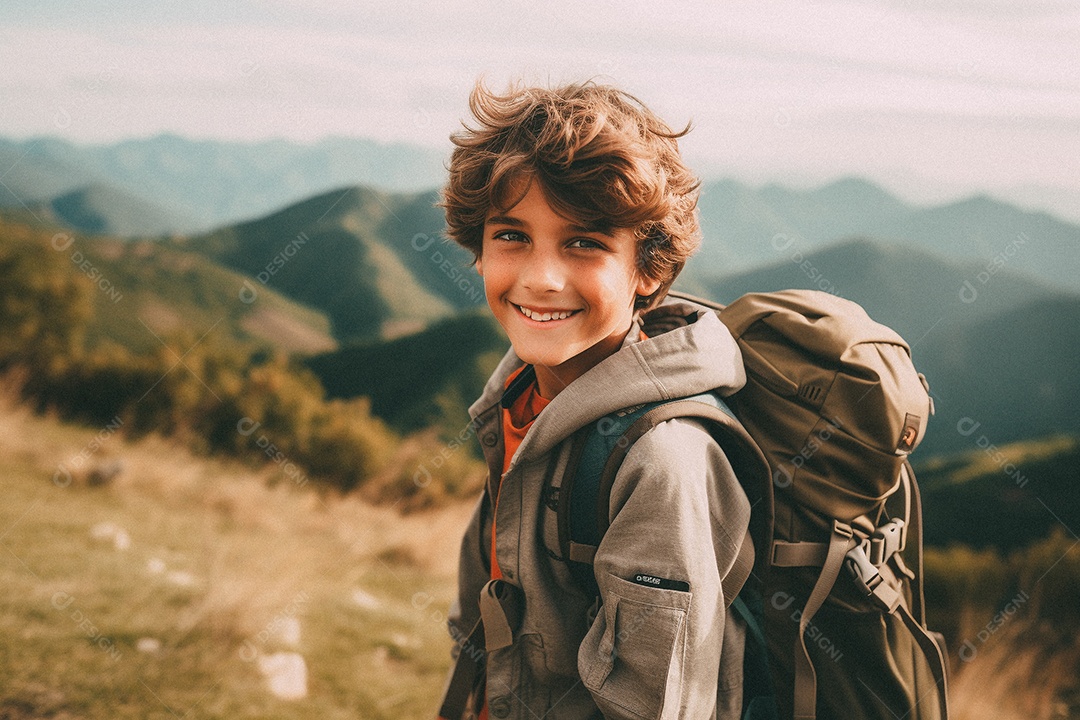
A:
830, 583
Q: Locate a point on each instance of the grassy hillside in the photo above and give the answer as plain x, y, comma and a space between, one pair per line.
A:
373, 262
155, 595
1016, 374
1012, 627
1002, 496
427, 378
144, 292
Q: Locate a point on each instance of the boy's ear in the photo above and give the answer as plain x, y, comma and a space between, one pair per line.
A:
479, 266
647, 286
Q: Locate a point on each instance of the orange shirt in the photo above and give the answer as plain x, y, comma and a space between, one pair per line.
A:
516, 421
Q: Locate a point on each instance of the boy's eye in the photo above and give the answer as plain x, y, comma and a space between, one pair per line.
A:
511, 235
585, 243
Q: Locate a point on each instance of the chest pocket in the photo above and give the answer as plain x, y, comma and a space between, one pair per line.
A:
626, 657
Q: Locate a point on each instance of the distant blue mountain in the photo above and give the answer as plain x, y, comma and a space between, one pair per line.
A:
746, 228
1004, 353
203, 184
209, 182
105, 210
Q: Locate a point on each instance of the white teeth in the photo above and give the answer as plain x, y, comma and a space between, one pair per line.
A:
543, 317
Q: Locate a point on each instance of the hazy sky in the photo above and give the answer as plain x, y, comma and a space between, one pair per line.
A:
934, 99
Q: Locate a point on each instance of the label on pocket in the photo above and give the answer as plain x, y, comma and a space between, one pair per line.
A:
658, 582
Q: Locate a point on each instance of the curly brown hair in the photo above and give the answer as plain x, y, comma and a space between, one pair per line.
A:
600, 156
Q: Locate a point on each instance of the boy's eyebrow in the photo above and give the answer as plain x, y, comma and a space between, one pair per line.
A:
505, 220
514, 222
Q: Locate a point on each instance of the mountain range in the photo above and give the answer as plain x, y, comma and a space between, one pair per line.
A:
147, 296
374, 262
1005, 357
986, 294
746, 228
172, 185
204, 184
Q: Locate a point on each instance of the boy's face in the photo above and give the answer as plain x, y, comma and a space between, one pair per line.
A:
537, 264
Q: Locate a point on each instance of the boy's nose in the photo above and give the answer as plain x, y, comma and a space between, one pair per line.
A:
543, 273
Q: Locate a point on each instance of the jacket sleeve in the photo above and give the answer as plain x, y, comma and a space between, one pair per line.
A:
678, 517
473, 572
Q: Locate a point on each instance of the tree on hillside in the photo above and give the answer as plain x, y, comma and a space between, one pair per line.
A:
45, 306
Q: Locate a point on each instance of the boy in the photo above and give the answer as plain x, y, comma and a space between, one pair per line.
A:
580, 213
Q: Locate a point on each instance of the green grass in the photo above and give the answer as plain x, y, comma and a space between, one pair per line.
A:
72, 608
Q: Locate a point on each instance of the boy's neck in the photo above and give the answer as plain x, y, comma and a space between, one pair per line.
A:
551, 380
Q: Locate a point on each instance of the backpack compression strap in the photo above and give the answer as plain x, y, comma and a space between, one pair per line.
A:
879, 581
587, 488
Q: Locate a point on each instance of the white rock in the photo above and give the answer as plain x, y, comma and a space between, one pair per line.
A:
405, 641
104, 531
148, 645
286, 675
287, 632
364, 599
181, 578
111, 532
121, 540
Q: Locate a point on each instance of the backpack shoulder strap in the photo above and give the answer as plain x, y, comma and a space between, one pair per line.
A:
598, 453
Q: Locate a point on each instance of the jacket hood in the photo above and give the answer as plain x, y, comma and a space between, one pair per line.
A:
688, 351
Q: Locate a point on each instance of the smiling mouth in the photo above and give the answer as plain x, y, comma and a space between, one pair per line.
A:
547, 316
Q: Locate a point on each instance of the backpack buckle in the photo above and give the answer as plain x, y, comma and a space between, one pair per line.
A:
866, 575
888, 539
868, 579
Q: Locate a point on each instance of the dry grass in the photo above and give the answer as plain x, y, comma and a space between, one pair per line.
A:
160, 469
369, 583
1027, 672
287, 332
219, 554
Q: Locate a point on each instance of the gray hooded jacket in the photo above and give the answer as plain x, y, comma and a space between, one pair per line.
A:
677, 512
